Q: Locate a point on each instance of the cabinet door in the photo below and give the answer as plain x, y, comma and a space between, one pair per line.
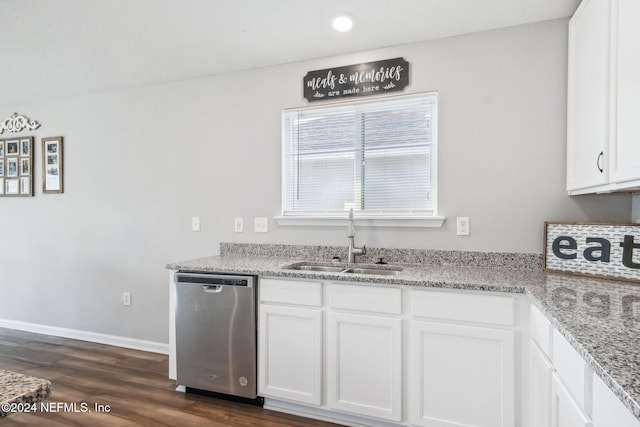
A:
565, 412
364, 368
540, 383
461, 375
588, 95
572, 370
290, 353
608, 410
625, 149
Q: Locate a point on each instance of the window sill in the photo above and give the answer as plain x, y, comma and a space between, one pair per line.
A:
369, 221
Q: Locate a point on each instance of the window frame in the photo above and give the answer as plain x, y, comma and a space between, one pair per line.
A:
419, 218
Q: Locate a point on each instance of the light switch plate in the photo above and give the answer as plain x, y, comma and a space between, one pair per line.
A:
195, 223
261, 224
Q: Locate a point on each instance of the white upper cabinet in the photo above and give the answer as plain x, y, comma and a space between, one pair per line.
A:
588, 95
625, 147
603, 132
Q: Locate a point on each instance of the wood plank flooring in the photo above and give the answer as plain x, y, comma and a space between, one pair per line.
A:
132, 383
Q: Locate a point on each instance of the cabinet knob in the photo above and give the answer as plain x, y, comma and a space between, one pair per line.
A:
600, 156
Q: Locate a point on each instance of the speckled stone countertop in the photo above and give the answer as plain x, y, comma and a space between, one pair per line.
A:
17, 388
600, 318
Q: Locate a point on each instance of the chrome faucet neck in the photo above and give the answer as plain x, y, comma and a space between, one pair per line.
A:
351, 234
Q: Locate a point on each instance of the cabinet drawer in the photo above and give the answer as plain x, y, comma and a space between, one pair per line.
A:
301, 292
463, 307
365, 298
571, 369
541, 330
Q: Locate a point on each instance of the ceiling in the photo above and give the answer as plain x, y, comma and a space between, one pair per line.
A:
62, 48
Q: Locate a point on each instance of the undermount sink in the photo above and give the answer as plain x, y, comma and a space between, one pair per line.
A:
380, 271
327, 267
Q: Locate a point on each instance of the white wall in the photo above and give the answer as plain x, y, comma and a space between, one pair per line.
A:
140, 163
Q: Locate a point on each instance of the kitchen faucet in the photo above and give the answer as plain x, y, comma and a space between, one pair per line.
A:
353, 250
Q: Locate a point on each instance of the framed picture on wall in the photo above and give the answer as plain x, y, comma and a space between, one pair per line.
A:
16, 166
52, 165
11, 187
12, 167
12, 147
25, 185
25, 167
25, 147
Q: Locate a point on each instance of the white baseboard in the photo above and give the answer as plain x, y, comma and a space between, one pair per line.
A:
326, 414
151, 346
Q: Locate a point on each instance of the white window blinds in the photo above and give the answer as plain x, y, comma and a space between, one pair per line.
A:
376, 157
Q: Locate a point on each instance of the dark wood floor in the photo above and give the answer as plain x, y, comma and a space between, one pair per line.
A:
133, 383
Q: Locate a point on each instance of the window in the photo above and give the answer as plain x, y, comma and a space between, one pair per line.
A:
377, 157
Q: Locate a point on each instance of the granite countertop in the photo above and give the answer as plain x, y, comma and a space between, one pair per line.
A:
600, 318
16, 389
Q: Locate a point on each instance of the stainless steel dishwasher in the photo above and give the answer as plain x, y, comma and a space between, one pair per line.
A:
216, 333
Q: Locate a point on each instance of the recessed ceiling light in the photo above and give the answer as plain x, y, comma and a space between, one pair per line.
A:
342, 23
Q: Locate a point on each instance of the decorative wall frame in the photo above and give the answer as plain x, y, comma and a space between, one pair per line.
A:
52, 165
610, 251
18, 123
16, 166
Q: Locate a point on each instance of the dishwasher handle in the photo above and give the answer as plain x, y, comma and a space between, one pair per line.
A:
212, 289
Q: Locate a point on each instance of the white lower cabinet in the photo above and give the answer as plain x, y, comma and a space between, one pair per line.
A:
608, 410
336, 351
462, 359
540, 369
290, 341
291, 359
461, 375
364, 350
565, 411
572, 371
566, 392
364, 370
570, 385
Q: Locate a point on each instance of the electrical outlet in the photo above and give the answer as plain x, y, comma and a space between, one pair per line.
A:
261, 224
238, 224
195, 223
126, 298
463, 225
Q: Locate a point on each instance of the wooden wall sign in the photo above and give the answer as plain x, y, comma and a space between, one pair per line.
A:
371, 78
597, 250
